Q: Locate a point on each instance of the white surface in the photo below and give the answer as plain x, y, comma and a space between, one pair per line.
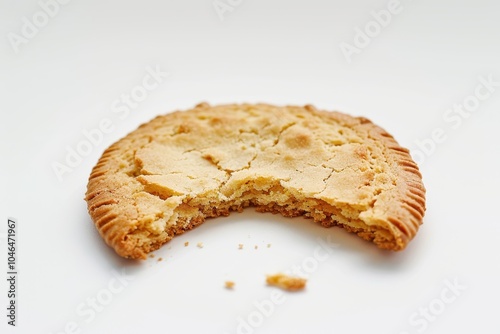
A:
65, 79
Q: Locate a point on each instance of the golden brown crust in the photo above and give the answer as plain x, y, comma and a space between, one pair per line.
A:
170, 174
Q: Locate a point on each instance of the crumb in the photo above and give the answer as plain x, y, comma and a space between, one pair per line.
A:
286, 282
186, 244
240, 246
268, 245
151, 255
200, 245
256, 247
229, 284
160, 259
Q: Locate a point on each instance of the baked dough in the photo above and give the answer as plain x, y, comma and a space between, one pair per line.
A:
170, 174
286, 282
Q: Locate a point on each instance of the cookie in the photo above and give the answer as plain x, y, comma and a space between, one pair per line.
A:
172, 173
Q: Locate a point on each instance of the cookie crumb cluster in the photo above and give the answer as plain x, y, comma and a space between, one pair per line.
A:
286, 282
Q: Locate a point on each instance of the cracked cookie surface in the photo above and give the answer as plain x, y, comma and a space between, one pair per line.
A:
170, 174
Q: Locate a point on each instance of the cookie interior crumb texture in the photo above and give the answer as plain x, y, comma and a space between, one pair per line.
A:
186, 244
200, 244
286, 282
172, 173
229, 284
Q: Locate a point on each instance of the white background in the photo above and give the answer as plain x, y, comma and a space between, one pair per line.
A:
65, 78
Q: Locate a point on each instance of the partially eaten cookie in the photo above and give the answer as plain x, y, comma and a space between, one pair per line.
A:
172, 173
